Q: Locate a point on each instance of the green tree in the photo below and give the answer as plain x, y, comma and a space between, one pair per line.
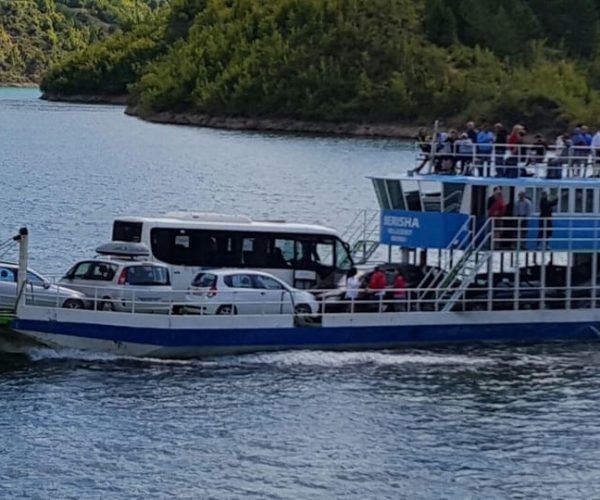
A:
440, 23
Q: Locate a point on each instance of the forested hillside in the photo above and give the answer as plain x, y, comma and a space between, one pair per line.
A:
37, 33
354, 60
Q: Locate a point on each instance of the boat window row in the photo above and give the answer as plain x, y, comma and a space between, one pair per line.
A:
209, 248
449, 197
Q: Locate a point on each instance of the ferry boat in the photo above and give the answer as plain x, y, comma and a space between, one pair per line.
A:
526, 272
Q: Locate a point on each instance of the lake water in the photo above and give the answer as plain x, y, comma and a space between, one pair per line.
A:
479, 422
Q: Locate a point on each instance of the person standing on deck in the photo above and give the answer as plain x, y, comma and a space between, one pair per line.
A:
485, 141
472, 132
500, 149
352, 288
377, 285
545, 231
580, 152
523, 212
496, 211
515, 140
400, 294
596, 154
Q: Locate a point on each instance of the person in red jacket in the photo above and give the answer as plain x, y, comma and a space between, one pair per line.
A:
400, 294
377, 285
496, 211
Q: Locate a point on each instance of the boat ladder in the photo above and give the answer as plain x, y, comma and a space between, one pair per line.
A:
434, 277
463, 274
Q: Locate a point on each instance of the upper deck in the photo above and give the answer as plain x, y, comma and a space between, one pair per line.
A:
455, 182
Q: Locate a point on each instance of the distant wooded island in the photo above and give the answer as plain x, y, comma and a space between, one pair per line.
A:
535, 62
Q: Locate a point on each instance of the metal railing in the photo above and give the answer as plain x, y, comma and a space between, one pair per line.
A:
508, 160
499, 295
362, 233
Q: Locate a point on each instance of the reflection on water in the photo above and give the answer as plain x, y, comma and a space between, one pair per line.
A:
445, 423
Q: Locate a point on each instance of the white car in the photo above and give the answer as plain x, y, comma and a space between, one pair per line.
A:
123, 284
39, 291
242, 291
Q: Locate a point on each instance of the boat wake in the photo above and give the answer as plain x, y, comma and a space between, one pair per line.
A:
49, 354
343, 359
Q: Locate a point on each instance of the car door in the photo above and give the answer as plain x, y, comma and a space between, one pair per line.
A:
275, 297
78, 278
8, 287
242, 293
40, 292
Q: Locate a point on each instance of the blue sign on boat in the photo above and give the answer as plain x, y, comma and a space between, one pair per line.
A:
421, 229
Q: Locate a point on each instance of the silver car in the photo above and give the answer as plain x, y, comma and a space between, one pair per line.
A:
122, 284
244, 291
39, 291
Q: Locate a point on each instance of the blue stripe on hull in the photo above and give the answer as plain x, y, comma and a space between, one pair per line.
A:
327, 337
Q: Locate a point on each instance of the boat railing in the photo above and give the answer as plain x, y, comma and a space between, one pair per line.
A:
501, 294
507, 160
461, 241
362, 234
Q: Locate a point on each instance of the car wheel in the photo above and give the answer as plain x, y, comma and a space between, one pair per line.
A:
73, 304
226, 310
106, 305
303, 309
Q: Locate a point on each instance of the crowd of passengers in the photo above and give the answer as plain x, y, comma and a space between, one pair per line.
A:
488, 151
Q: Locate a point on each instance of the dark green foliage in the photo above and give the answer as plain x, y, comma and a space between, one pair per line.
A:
36, 33
381, 60
440, 23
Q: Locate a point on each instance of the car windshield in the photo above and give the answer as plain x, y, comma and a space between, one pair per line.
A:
147, 275
35, 278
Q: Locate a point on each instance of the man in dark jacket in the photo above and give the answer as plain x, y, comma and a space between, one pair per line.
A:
545, 231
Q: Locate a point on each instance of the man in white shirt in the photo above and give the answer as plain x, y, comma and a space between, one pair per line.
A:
352, 287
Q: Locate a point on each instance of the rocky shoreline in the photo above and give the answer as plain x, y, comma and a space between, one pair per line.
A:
390, 130
86, 98
19, 85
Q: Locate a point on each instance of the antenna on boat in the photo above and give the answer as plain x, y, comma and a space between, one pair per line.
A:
23, 239
433, 149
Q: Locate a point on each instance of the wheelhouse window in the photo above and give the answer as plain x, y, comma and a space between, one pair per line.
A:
343, 260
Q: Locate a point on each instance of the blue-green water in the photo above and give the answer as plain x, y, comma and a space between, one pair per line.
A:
493, 422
